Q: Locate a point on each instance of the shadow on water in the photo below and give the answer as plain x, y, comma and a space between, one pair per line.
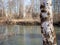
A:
22, 35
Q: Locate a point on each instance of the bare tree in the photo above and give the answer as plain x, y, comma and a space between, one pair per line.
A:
21, 6
2, 7
11, 7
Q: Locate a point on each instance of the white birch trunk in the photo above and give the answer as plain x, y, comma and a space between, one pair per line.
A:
47, 29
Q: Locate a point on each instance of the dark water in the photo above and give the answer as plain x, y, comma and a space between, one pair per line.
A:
22, 35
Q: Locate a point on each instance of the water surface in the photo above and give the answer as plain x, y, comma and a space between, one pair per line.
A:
22, 35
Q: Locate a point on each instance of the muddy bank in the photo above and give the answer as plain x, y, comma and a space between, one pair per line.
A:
28, 23
24, 23
57, 24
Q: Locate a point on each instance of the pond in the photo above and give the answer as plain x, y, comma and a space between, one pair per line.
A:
22, 35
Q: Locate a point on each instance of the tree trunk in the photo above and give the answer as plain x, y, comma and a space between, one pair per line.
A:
47, 29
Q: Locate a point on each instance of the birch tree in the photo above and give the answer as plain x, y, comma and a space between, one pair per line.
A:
47, 29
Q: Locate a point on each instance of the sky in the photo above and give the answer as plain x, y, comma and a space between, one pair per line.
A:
26, 2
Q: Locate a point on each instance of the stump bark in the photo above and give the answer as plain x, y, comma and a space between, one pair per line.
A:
47, 28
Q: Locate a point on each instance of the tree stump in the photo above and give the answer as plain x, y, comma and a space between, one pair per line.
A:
47, 29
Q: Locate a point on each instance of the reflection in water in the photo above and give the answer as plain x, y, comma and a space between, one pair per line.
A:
20, 35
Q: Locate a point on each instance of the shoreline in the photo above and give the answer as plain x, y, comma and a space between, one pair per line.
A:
26, 23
